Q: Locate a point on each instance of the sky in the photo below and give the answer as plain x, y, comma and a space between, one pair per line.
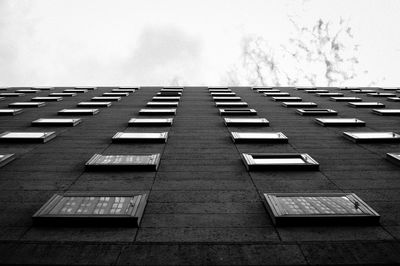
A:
175, 42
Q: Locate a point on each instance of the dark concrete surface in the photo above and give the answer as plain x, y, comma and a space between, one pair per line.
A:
203, 206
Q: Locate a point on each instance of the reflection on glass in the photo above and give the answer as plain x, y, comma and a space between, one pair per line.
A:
278, 160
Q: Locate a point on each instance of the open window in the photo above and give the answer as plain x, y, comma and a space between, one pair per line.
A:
171, 111
270, 137
223, 94
330, 94
345, 99
366, 105
227, 99
299, 104
71, 122
166, 99
162, 104
27, 104
106, 99
319, 208
94, 104
115, 94
6, 158
10, 111
381, 94
372, 136
394, 112
363, 91
315, 111
137, 122
46, 99
40, 137
75, 91
277, 94
78, 112
148, 162
63, 94
394, 157
231, 104
237, 111
393, 99
11, 94
123, 137
127, 90
279, 161
269, 90
340, 122
316, 91
287, 99
27, 91
86, 208
246, 122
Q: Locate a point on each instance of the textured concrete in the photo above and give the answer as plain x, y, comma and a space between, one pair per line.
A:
203, 206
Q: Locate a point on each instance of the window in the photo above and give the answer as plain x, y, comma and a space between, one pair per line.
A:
157, 111
363, 91
78, 112
340, 122
231, 104
227, 99
366, 104
10, 111
151, 122
319, 208
386, 111
271, 90
346, 99
312, 111
11, 94
172, 90
330, 94
162, 104
105, 99
280, 161
113, 94
393, 99
148, 162
44, 88
46, 99
246, 122
222, 94
262, 88
393, 157
56, 122
169, 93
27, 136
92, 209
123, 90
316, 91
166, 98
233, 111
381, 94
219, 90
372, 136
63, 94
94, 104
27, 104
28, 91
287, 99
86, 88
389, 89
271, 94
272, 137
6, 158
140, 137
75, 91
299, 104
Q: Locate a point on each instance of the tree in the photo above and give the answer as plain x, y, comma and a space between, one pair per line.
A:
323, 54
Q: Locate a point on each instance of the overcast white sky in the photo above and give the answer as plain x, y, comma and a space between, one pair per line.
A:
78, 42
